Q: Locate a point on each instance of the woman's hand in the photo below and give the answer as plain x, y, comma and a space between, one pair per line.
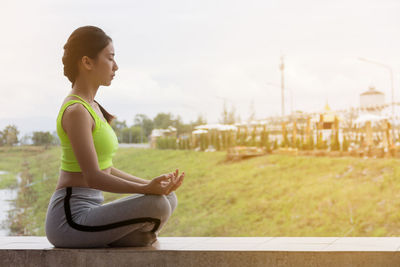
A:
164, 184
176, 180
159, 185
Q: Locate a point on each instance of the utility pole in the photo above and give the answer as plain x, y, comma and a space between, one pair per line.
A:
282, 68
290, 90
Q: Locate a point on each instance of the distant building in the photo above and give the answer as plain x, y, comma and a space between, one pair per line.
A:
326, 123
156, 133
327, 118
371, 99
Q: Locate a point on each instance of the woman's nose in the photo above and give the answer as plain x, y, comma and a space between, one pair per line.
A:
115, 66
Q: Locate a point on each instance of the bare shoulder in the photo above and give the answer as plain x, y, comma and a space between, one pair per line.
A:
76, 112
76, 115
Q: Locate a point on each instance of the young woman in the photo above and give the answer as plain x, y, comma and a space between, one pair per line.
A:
76, 215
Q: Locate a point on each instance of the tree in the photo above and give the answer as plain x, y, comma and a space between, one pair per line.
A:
310, 143
335, 144
117, 127
227, 117
163, 120
10, 135
275, 146
242, 137
56, 139
224, 114
146, 125
24, 140
132, 135
349, 117
42, 138
188, 128
203, 142
231, 115
253, 137
285, 141
217, 141
252, 111
265, 140
180, 126
345, 145
2, 139
200, 121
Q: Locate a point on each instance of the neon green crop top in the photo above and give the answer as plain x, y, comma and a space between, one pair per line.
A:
104, 138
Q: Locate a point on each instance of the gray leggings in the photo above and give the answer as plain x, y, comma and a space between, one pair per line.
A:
76, 217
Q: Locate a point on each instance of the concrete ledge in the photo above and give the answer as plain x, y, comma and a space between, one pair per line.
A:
210, 251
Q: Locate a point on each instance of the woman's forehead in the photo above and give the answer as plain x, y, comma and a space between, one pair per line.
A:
109, 49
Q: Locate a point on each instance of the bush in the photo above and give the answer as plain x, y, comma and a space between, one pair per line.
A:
217, 141
345, 144
167, 142
285, 141
335, 144
242, 137
276, 144
224, 140
230, 139
265, 141
321, 144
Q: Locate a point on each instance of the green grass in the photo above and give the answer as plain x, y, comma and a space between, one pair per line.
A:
8, 180
273, 195
11, 160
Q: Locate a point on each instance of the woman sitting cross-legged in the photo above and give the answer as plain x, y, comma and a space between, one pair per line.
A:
76, 215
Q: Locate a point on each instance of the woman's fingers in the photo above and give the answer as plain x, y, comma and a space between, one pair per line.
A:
169, 176
181, 179
178, 182
164, 179
175, 175
171, 181
169, 187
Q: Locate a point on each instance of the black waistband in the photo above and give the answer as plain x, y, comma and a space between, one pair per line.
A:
105, 227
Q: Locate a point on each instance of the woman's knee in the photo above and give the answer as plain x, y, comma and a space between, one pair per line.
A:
173, 200
159, 205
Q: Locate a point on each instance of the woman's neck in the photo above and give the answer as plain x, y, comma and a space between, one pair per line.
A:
84, 90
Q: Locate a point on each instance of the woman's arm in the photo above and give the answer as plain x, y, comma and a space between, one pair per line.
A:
128, 177
77, 123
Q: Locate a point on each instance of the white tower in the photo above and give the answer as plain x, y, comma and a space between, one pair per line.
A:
372, 98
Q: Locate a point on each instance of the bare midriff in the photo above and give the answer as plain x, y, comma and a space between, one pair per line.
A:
74, 179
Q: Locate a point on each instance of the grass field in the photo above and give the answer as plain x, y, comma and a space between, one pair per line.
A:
273, 195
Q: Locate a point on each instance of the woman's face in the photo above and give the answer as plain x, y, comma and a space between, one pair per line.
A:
105, 65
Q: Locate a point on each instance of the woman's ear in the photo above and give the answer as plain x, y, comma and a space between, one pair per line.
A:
87, 62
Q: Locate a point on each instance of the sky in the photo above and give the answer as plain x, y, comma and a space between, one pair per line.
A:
188, 57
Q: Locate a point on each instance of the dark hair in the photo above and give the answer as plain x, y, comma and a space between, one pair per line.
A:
84, 41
